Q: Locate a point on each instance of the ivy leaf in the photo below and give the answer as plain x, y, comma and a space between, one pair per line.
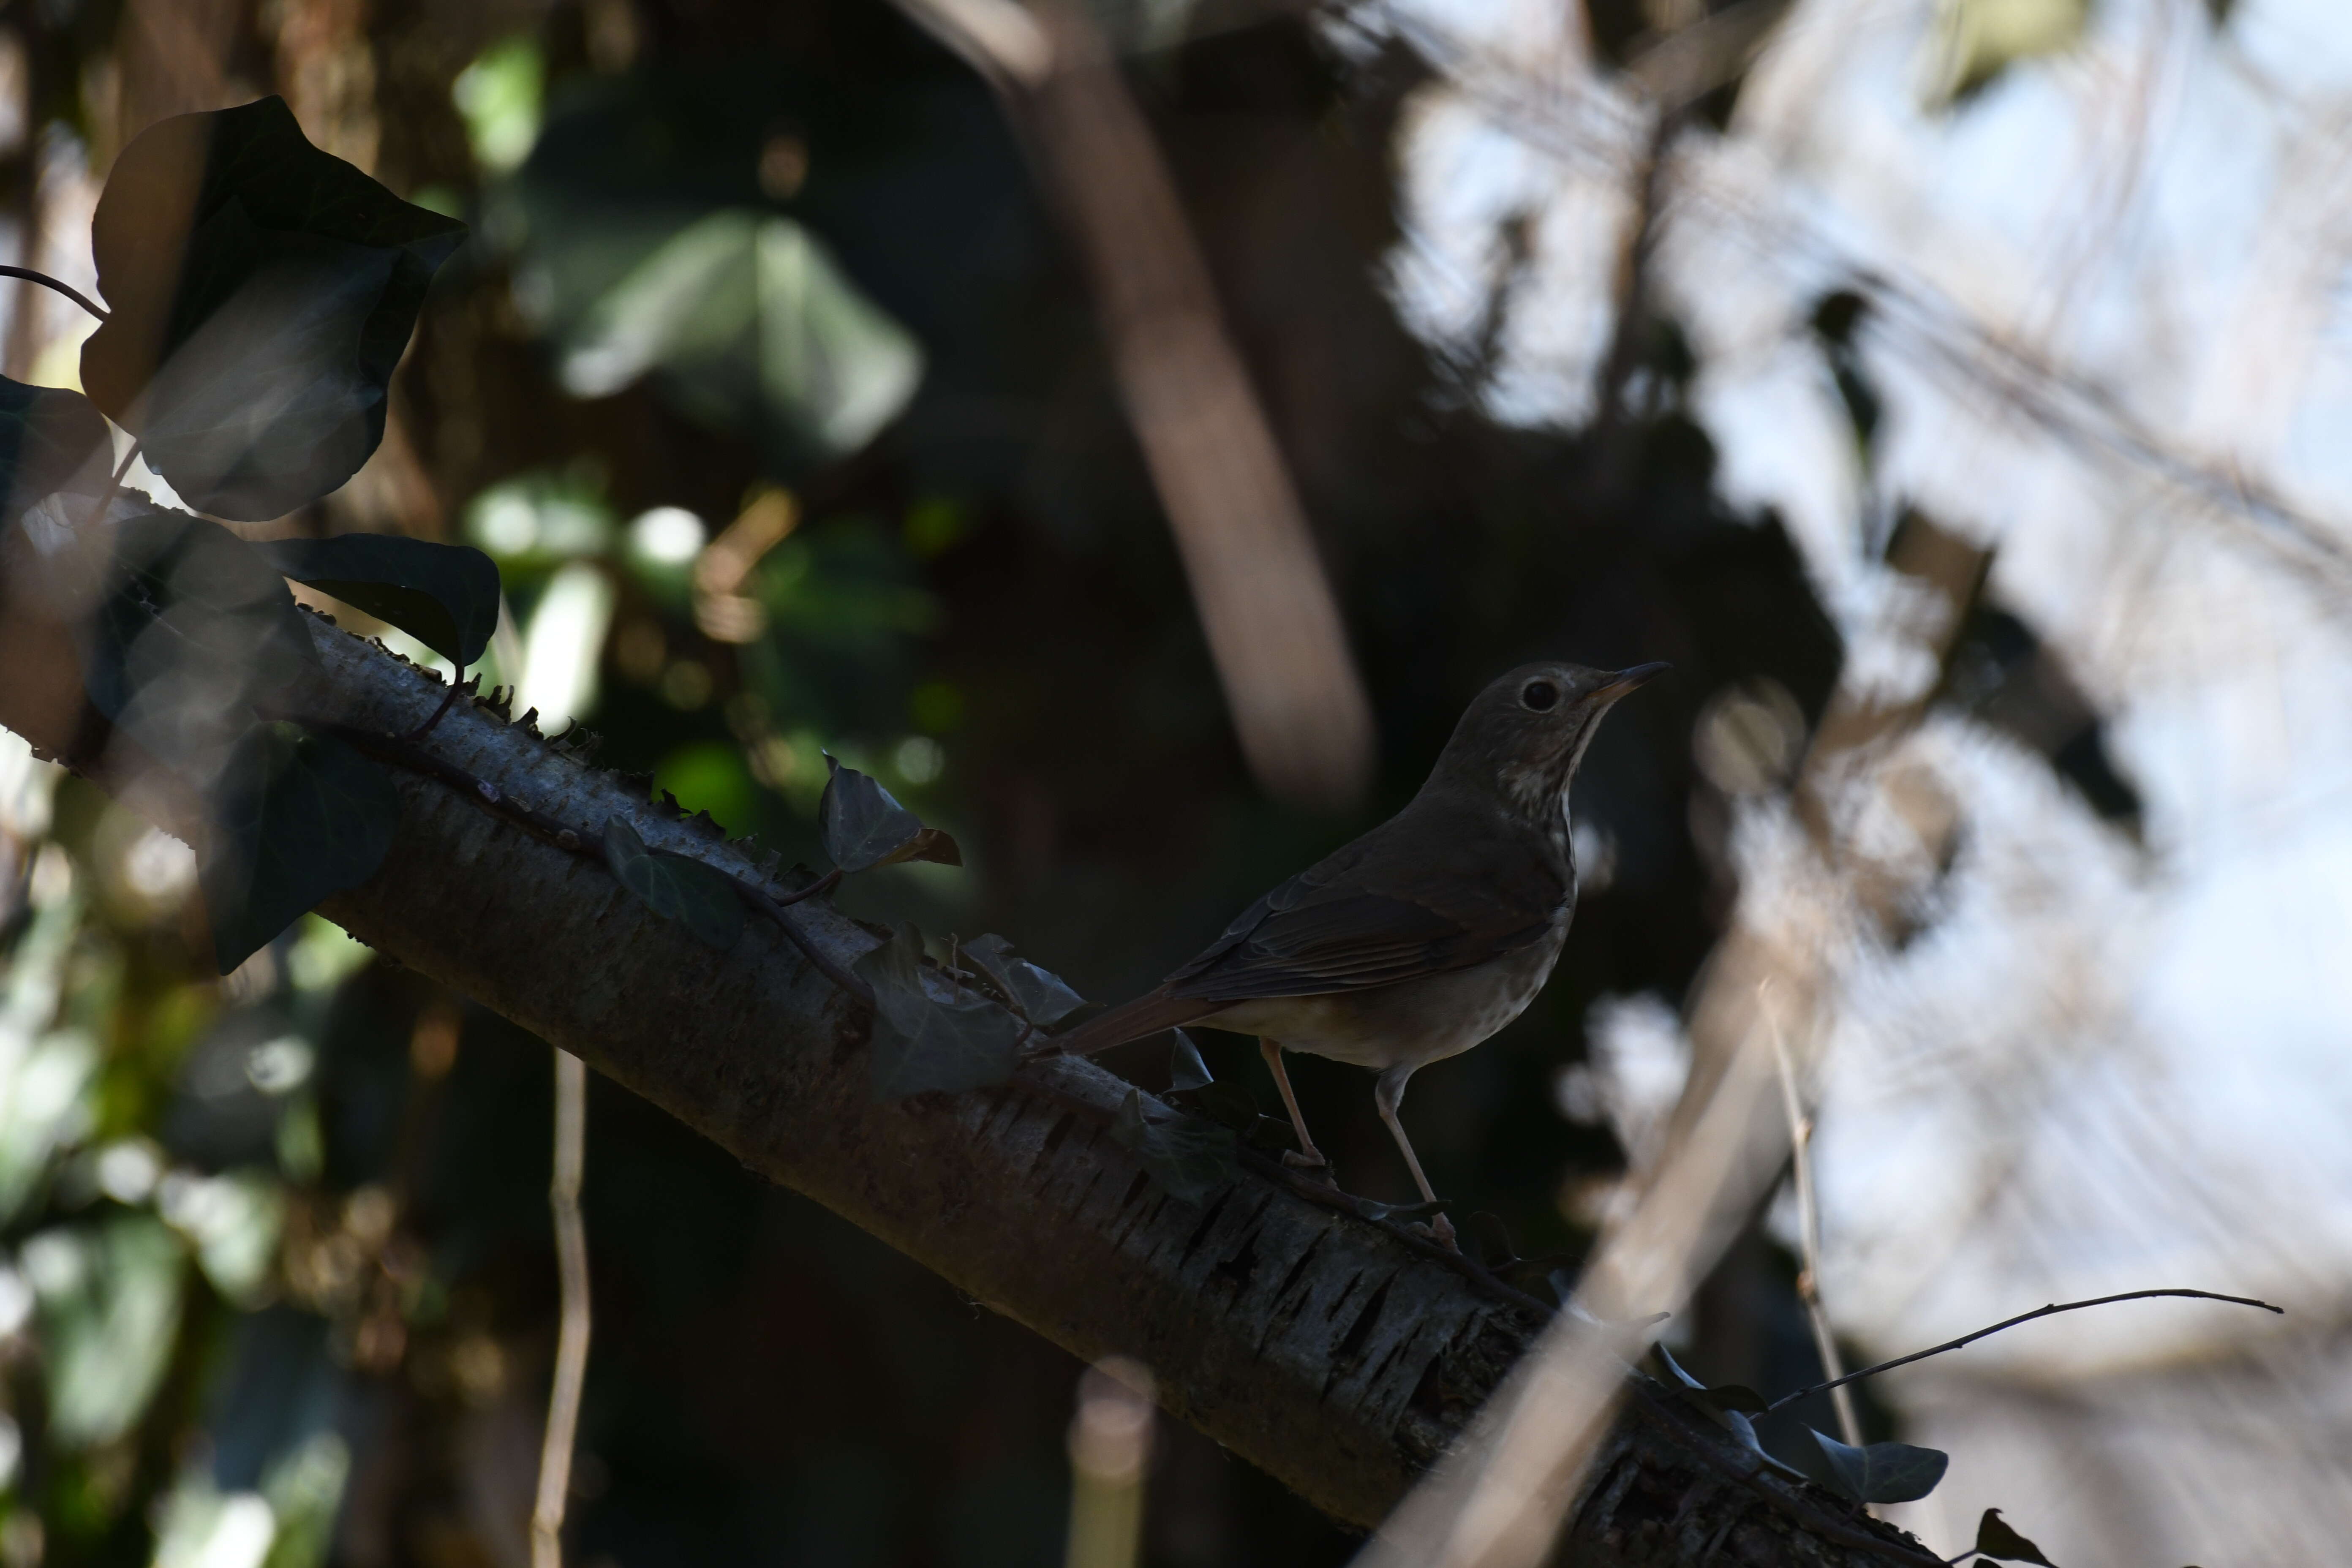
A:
1882, 1472
295, 816
1372, 1209
445, 595
863, 826
676, 887
1192, 1158
1734, 1398
51, 440
1996, 1538
194, 632
1037, 994
925, 1046
262, 293
1186, 1070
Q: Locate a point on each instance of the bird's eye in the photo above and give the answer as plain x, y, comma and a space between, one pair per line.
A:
1538, 695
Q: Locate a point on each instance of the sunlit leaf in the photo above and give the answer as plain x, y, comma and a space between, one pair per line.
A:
51, 440
1882, 1472
1037, 994
444, 595
295, 816
676, 887
863, 824
922, 1045
262, 293
1996, 1538
1191, 1157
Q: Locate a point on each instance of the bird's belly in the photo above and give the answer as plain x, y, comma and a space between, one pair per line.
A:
1417, 1022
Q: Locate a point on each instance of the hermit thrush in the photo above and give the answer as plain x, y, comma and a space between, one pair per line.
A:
1426, 935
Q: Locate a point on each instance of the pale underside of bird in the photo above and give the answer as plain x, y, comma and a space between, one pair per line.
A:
1423, 938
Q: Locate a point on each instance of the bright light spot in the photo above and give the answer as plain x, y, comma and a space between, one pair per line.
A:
506, 524
324, 955
16, 1302
53, 877
667, 536
499, 96
921, 758
53, 1262
205, 1529
12, 1449
559, 652
159, 867
280, 1065
127, 1171
26, 784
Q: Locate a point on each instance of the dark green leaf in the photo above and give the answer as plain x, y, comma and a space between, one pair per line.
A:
1191, 1157
931, 844
1368, 1208
262, 292
295, 816
444, 595
1996, 1538
195, 633
51, 440
676, 887
1037, 994
1882, 1472
1737, 1398
1675, 1367
922, 1045
1186, 1070
863, 826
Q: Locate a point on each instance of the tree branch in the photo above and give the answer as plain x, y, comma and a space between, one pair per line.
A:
1321, 1347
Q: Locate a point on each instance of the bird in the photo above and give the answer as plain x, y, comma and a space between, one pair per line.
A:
1423, 937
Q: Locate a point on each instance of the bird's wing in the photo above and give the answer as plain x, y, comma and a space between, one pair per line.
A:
1378, 913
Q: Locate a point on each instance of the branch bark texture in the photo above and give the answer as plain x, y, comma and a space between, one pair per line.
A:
1323, 1349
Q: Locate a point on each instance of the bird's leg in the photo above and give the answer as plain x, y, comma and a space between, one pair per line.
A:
1307, 1156
1387, 1094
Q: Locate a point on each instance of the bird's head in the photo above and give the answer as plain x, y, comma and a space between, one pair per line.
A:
1523, 736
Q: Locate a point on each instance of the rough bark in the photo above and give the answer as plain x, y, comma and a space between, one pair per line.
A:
1332, 1353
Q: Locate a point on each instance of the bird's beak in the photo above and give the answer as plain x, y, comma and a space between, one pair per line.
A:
1626, 681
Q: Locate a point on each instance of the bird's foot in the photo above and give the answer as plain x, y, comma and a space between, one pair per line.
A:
1438, 1229
1312, 1165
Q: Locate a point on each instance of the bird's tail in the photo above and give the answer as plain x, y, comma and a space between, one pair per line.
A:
1147, 1015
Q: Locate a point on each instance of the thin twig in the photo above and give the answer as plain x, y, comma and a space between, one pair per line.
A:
1809, 1226
76, 295
774, 910
2010, 1323
572, 1334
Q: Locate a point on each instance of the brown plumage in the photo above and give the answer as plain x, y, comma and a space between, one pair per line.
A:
1426, 935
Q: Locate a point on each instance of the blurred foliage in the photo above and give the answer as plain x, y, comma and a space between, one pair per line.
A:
772, 391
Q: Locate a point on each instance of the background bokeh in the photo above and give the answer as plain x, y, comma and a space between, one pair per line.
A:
1623, 331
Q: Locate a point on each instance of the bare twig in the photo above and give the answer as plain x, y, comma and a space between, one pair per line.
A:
1809, 1226
76, 295
572, 1334
2054, 1307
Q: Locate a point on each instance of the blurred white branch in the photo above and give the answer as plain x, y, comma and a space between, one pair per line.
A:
572, 1332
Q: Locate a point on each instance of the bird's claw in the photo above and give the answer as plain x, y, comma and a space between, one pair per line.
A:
1439, 1229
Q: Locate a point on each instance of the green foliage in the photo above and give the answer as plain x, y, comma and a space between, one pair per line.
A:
296, 816
1882, 1472
51, 440
676, 887
262, 292
446, 596
1192, 1158
1036, 994
922, 1045
864, 827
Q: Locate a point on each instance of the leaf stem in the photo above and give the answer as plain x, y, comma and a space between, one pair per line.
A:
2054, 1307
70, 292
